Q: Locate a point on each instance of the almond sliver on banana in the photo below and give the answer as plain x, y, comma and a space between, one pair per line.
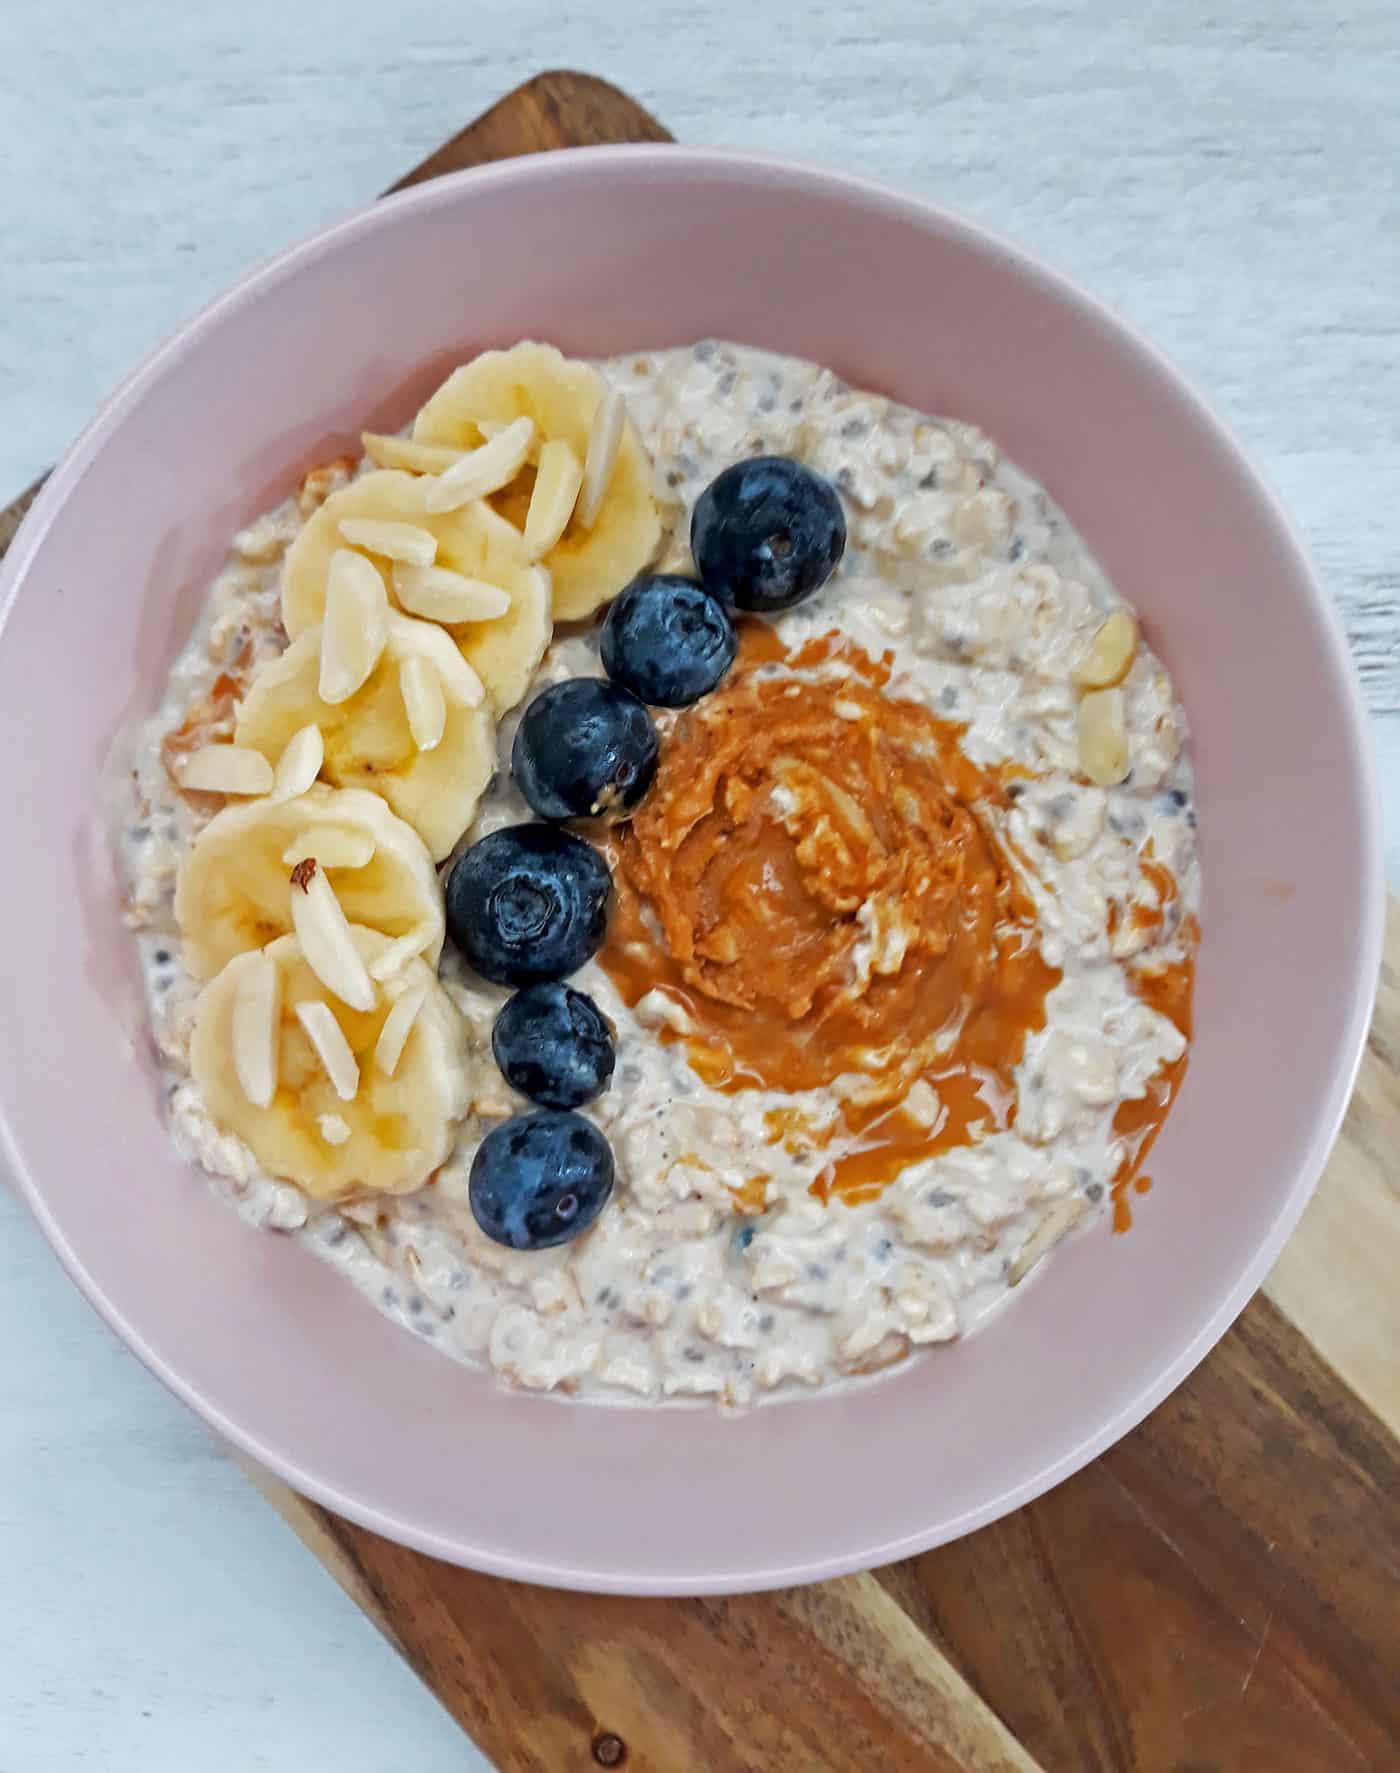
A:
299, 765
490, 428
355, 628
484, 470
440, 595
385, 1139
604, 441
413, 458
409, 542
369, 745
257, 1011
323, 930
231, 892
423, 701
398, 1025
589, 563
332, 1049
506, 653
393, 959
409, 637
552, 502
226, 769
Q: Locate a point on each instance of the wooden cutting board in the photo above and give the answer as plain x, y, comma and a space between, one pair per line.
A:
1219, 1591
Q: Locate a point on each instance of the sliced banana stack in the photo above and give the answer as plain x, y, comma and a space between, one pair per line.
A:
461, 566
231, 892
335, 1098
399, 710
550, 446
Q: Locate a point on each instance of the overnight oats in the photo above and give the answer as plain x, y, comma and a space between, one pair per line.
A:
677, 876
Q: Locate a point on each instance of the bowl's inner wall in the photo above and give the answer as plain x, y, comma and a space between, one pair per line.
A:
603, 253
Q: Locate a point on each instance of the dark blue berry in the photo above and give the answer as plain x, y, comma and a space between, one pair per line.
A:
553, 1045
667, 640
540, 1179
529, 902
766, 533
585, 750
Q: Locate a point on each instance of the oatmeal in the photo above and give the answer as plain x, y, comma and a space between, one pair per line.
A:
900, 956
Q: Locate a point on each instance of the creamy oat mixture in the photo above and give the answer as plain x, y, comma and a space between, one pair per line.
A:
963, 575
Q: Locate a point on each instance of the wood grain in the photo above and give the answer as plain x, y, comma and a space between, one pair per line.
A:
1352, 1225
554, 110
14, 513
836, 1677
1216, 1592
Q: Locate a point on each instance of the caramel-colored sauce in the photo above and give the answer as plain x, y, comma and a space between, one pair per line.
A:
1168, 990
815, 879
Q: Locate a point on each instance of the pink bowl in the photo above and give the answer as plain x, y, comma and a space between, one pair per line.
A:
603, 251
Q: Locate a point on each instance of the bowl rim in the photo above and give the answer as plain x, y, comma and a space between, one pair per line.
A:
805, 177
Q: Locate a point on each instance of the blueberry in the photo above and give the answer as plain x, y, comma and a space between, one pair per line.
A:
553, 1045
766, 533
584, 750
540, 1179
667, 640
529, 902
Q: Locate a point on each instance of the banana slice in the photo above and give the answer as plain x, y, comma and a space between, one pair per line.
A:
231, 893
337, 1100
506, 653
615, 527
479, 568
369, 740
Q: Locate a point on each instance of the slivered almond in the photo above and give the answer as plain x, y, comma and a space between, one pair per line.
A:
398, 954
332, 1048
484, 470
460, 683
226, 769
333, 846
604, 441
257, 1013
299, 765
423, 701
1061, 1216
394, 541
326, 942
333, 1128
398, 1025
552, 502
442, 596
1103, 737
490, 428
354, 627
1110, 653
403, 452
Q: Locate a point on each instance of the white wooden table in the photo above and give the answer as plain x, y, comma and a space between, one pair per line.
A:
1224, 175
